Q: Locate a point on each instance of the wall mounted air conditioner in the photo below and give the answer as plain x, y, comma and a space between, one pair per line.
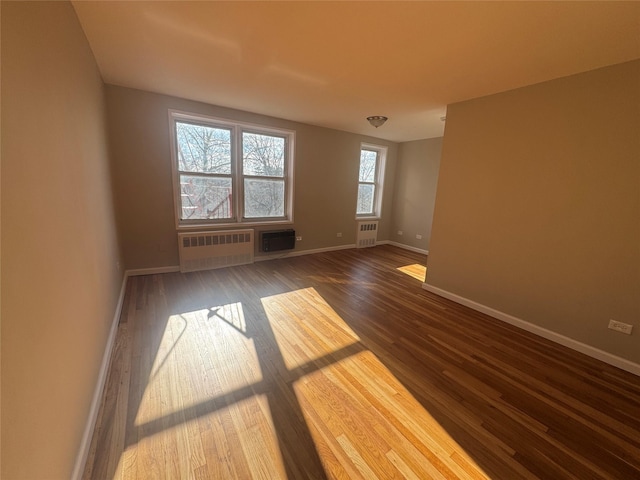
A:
276, 240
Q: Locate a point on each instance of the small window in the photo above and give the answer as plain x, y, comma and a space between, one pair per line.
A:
227, 172
370, 177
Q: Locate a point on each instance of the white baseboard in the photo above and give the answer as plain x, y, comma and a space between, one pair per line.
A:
593, 352
151, 271
297, 253
402, 245
85, 444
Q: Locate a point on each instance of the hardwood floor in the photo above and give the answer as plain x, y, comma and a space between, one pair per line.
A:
340, 366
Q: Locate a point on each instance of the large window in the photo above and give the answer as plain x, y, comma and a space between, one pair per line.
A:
371, 175
227, 172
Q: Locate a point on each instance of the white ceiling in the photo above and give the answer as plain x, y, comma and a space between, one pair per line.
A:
334, 63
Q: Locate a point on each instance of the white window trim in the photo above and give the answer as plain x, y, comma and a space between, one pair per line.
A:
379, 181
237, 128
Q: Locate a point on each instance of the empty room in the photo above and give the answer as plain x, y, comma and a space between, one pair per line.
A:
320, 240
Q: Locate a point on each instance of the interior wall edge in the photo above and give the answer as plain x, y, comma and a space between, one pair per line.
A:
101, 382
402, 245
152, 271
558, 338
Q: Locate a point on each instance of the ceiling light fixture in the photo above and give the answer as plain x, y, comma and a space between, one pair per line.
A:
377, 120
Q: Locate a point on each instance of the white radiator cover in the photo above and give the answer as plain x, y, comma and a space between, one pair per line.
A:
367, 234
209, 250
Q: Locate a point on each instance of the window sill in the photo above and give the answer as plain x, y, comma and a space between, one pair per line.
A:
233, 225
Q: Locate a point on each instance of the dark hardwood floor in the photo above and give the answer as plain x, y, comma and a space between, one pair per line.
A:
339, 366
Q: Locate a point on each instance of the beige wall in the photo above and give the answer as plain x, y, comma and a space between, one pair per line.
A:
59, 278
415, 191
538, 206
326, 173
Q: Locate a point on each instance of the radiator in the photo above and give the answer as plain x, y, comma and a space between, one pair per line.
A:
207, 250
367, 234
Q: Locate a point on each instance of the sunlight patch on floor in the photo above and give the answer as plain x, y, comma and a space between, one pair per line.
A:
231, 313
375, 427
354, 407
417, 271
362, 420
197, 350
305, 326
259, 438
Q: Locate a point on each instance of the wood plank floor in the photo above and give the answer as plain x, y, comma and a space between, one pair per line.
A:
340, 366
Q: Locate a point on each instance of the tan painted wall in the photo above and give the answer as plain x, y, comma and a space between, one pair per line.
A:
326, 172
59, 252
415, 191
538, 205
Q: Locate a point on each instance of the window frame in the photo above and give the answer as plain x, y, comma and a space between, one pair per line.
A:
237, 176
378, 183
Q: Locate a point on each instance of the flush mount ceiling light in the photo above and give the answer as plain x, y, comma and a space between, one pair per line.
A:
377, 120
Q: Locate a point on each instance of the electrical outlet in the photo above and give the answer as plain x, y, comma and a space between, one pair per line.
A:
399, 232
419, 237
339, 234
298, 239
620, 327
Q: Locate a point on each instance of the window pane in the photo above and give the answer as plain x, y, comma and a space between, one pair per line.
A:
263, 198
205, 197
262, 155
368, 166
203, 149
365, 199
